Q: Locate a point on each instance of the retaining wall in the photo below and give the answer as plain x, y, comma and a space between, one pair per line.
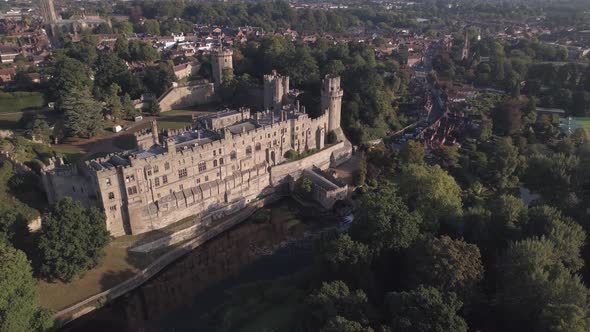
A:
94, 302
187, 96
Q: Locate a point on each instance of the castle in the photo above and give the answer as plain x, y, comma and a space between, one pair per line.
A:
215, 167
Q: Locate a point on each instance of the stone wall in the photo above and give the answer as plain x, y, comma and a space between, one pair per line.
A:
198, 228
321, 159
187, 96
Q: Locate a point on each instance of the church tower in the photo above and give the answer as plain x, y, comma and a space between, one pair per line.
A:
332, 101
221, 62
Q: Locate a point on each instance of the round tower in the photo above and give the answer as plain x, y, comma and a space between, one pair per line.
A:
332, 101
221, 62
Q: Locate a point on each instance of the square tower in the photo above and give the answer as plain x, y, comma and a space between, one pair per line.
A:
276, 90
222, 64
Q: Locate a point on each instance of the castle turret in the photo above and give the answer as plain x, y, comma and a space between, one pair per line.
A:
155, 134
332, 101
222, 64
276, 89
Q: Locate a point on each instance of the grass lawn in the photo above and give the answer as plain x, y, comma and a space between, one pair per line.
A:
576, 122
20, 101
175, 119
69, 152
10, 121
116, 267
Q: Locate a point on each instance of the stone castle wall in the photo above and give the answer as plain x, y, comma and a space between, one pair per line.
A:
279, 174
187, 96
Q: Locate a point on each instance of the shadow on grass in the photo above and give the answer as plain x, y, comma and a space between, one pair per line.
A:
113, 278
124, 142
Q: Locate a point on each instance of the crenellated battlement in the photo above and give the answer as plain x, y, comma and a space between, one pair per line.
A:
226, 155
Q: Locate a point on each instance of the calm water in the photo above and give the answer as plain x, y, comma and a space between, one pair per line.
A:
178, 298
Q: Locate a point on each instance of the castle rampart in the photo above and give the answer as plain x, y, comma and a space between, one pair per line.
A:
216, 167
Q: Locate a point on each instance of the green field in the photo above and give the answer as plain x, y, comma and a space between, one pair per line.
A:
20, 101
573, 123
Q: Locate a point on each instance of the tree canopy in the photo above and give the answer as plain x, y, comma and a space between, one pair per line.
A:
72, 240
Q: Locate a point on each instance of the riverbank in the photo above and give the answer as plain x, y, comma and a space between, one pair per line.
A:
177, 297
133, 280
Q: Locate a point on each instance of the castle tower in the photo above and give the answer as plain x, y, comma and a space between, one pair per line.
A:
155, 134
332, 101
276, 89
221, 62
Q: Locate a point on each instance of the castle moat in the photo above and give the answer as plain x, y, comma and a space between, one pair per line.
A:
179, 297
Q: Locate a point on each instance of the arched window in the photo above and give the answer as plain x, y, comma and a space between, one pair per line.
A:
233, 155
249, 150
220, 161
214, 163
258, 147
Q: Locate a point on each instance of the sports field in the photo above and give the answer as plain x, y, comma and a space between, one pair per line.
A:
573, 123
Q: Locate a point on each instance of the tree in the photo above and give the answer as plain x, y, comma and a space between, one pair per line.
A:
72, 240
341, 324
114, 107
122, 48
432, 192
382, 220
67, 75
412, 153
142, 52
344, 258
332, 138
19, 310
450, 155
151, 27
159, 79
449, 265
552, 175
336, 299
128, 109
563, 318
504, 162
507, 118
154, 108
82, 114
110, 69
304, 186
581, 103
123, 27
425, 310
531, 277
9, 224
41, 130
567, 236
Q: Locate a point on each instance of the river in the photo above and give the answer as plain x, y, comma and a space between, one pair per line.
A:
179, 297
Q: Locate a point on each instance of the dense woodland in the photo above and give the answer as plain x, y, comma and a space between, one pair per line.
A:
447, 244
